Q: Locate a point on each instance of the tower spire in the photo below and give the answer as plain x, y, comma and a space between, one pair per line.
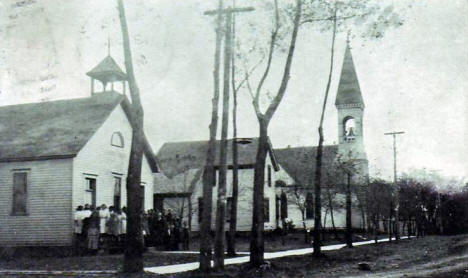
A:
349, 92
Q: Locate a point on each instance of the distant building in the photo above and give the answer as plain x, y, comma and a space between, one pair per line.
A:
179, 184
299, 162
60, 154
289, 172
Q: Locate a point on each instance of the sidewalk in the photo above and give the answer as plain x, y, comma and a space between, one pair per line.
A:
239, 260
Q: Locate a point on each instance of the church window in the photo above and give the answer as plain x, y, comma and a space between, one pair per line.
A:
269, 175
228, 208
20, 193
266, 210
349, 125
200, 209
309, 206
117, 139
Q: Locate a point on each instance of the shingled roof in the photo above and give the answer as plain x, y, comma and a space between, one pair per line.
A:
177, 157
56, 129
349, 92
299, 162
107, 71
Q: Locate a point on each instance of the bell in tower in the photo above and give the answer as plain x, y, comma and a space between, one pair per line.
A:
350, 106
107, 71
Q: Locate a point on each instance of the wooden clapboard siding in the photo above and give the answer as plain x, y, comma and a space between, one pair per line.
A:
244, 212
104, 161
49, 220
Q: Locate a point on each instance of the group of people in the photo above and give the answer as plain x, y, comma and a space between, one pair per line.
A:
167, 230
96, 226
103, 226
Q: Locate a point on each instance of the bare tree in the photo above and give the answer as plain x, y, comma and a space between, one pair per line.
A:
264, 118
134, 245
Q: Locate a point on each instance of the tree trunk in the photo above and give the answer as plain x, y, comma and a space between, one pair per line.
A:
318, 201
349, 235
318, 165
306, 234
325, 218
256, 241
209, 174
376, 227
134, 245
221, 202
231, 242
390, 223
332, 218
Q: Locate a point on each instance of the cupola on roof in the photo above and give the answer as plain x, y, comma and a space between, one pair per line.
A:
349, 92
107, 71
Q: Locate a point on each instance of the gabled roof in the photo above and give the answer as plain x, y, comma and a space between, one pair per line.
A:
349, 92
177, 157
56, 129
299, 162
107, 71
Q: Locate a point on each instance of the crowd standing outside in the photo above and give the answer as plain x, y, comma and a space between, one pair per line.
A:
105, 227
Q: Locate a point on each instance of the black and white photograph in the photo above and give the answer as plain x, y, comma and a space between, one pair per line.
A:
234, 138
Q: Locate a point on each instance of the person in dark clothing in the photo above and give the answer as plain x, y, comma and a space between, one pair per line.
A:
93, 232
185, 236
175, 237
168, 230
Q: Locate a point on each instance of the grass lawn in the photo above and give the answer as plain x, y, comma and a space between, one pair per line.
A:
98, 262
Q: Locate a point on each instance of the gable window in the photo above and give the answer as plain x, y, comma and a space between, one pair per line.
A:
90, 191
309, 206
117, 139
266, 210
117, 192
20, 193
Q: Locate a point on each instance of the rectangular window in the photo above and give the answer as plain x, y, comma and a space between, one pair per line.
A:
269, 175
228, 208
200, 208
20, 193
309, 205
90, 191
266, 210
117, 192
142, 196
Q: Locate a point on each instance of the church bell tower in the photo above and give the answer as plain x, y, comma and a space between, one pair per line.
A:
350, 106
107, 72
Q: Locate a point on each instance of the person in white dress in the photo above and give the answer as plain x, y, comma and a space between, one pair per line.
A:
104, 215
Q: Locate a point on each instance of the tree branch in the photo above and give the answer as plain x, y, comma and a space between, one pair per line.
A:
271, 50
287, 69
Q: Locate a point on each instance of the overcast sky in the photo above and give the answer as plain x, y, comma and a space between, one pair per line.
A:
415, 79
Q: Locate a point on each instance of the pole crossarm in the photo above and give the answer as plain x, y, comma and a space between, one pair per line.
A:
229, 11
394, 133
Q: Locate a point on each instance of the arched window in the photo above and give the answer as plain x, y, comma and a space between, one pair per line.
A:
349, 126
117, 139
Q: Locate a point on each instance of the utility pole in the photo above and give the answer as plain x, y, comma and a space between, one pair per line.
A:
221, 201
395, 184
